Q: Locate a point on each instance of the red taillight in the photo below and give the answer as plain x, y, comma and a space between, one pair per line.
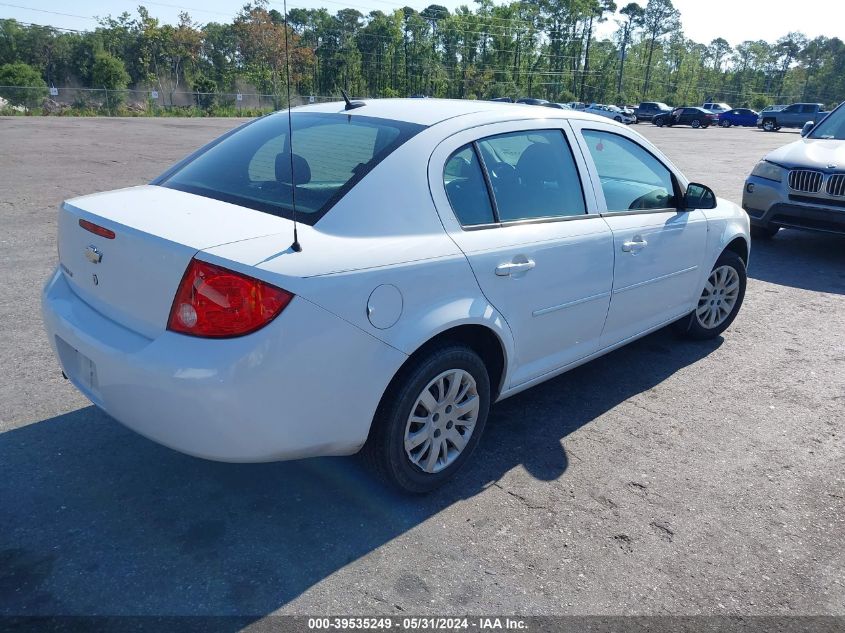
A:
96, 229
216, 302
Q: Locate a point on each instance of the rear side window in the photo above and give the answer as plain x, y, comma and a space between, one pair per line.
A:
533, 175
254, 167
466, 188
631, 178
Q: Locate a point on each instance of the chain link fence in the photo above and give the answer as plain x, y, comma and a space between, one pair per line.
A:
151, 102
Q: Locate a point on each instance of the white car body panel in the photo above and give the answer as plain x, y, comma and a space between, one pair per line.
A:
253, 398
555, 311
309, 382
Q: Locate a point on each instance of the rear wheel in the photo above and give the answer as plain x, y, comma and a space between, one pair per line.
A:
720, 300
764, 232
430, 419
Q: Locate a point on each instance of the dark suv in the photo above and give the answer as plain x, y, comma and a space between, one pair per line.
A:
647, 110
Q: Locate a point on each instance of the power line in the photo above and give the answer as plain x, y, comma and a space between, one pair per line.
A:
67, 15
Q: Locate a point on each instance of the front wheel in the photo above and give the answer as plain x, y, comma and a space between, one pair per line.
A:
696, 123
430, 419
769, 125
618, 119
725, 123
720, 300
658, 122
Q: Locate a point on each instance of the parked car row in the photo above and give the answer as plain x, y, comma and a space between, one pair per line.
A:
771, 118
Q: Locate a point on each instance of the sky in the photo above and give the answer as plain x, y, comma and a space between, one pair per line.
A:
703, 20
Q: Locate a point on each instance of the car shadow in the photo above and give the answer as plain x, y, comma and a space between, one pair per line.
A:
801, 259
98, 520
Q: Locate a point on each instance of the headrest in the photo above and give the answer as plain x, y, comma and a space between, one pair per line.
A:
301, 169
539, 162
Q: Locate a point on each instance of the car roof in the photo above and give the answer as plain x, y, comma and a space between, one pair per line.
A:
432, 111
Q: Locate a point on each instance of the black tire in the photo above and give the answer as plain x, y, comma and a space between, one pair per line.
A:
695, 123
690, 326
764, 232
725, 123
657, 122
769, 125
618, 119
384, 451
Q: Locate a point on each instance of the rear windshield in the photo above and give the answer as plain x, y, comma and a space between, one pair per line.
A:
253, 167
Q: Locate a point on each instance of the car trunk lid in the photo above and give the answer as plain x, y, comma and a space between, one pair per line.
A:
132, 277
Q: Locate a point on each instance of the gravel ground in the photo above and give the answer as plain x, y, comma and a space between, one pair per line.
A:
666, 477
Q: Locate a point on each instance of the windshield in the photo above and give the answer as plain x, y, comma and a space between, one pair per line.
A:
832, 127
253, 167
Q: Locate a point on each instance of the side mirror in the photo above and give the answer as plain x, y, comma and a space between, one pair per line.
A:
699, 197
808, 127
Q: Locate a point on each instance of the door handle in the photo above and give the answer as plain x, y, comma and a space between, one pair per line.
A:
635, 245
509, 268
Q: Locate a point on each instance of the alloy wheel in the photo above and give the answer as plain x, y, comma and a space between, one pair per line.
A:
719, 297
442, 420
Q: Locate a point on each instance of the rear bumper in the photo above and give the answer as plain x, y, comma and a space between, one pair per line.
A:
307, 384
769, 204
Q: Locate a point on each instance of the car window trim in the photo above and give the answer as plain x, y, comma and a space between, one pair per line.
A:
498, 222
494, 204
676, 185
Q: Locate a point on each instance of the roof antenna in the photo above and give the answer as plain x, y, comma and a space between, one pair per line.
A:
350, 105
295, 247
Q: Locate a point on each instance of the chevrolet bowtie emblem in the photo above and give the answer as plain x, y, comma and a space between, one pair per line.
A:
94, 256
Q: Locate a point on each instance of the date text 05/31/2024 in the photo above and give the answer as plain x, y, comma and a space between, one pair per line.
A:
418, 623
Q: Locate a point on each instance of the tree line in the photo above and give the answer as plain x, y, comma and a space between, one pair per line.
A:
539, 48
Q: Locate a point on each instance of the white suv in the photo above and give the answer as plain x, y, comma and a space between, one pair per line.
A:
447, 254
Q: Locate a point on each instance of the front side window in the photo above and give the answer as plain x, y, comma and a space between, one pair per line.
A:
832, 126
254, 166
466, 189
533, 175
631, 178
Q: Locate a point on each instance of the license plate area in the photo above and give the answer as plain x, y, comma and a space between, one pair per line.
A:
78, 367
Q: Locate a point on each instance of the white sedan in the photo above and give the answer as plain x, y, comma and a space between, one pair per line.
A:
611, 112
450, 254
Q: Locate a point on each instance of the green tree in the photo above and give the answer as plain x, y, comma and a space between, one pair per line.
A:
25, 86
633, 14
109, 73
660, 17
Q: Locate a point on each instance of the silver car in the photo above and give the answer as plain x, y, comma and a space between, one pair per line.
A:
801, 185
611, 112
